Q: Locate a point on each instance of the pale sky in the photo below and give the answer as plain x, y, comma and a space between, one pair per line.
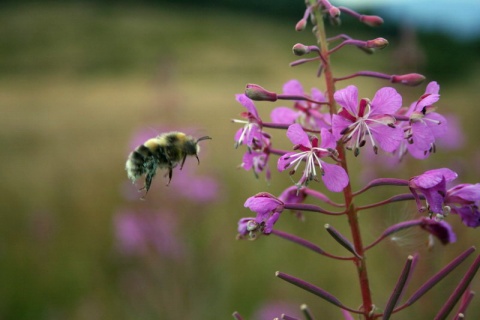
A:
459, 18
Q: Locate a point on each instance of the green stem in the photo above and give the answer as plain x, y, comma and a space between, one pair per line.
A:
351, 211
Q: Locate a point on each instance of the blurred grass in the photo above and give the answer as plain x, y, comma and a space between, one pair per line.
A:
77, 80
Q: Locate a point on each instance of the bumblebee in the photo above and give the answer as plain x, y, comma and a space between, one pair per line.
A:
165, 151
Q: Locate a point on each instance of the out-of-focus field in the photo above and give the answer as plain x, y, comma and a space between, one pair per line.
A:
77, 81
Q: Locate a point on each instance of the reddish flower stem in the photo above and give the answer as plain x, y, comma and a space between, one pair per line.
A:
351, 210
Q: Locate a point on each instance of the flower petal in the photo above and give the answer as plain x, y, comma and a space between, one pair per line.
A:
339, 124
433, 177
388, 138
335, 177
283, 115
293, 87
433, 88
386, 101
464, 192
440, 229
470, 216
285, 161
347, 98
262, 203
439, 124
247, 103
422, 138
318, 95
296, 134
327, 139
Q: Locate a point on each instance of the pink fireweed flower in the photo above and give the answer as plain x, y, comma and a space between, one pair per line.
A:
248, 227
424, 125
373, 120
334, 176
257, 161
188, 184
454, 137
139, 233
464, 200
251, 134
306, 113
432, 184
268, 209
440, 229
293, 195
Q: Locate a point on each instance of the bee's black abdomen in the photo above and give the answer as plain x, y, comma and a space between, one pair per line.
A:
161, 155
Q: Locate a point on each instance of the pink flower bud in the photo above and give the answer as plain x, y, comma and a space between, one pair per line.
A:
257, 93
300, 49
378, 43
300, 26
372, 21
334, 12
410, 79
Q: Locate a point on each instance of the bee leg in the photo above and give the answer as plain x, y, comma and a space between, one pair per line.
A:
183, 162
197, 159
170, 174
148, 182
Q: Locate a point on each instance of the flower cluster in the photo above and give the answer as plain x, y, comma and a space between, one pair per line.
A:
381, 122
322, 128
462, 199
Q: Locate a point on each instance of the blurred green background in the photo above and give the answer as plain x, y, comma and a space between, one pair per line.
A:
79, 80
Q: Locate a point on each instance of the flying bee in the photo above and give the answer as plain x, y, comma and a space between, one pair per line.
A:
165, 151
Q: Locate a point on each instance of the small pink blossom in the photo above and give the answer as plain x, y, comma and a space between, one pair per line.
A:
432, 184
464, 200
373, 121
424, 125
304, 112
440, 229
334, 176
251, 134
268, 209
257, 161
138, 233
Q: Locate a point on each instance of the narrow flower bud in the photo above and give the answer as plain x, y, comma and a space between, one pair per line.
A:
257, 93
378, 43
459, 290
372, 21
397, 291
341, 239
439, 276
310, 288
307, 314
300, 49
410, 79
466, 299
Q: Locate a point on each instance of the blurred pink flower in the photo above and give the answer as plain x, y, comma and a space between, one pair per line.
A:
194, 187
138, 233
275, 309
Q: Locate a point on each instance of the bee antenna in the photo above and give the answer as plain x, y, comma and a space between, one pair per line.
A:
204, 138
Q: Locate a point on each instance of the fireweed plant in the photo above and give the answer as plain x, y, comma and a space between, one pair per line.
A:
322, 127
